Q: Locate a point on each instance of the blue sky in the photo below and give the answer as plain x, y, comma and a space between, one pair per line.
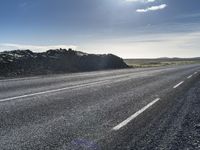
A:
127, 28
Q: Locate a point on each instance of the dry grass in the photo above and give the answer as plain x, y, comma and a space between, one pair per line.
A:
143, 63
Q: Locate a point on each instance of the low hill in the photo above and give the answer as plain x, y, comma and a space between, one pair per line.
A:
26, 62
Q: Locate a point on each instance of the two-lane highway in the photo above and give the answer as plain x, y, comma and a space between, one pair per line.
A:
92, 110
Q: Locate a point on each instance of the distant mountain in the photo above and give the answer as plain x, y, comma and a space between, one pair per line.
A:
26, 62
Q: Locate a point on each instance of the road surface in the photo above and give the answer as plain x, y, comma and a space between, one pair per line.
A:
152, 108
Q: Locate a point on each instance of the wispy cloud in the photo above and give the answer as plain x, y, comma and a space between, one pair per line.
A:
152, 8
143, 1
36, 48
190, 15
174, 44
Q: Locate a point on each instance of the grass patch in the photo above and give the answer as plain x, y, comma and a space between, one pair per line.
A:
145, 63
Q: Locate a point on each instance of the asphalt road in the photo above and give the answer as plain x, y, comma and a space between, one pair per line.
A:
153, 108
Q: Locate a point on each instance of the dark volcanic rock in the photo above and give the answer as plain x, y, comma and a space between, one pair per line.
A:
25, 62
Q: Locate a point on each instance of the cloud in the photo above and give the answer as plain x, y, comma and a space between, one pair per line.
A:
143, 1
152, 8
190, 15
152, 46
36, 48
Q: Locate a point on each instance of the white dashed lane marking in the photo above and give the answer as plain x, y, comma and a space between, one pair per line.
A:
177, 85
125, 122
195, 73
189, 77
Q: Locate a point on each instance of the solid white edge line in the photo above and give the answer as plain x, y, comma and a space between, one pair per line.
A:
125, 122
189, 77
195, 72
177, 85
50, 91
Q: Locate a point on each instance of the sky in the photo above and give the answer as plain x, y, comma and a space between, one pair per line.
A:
127, 28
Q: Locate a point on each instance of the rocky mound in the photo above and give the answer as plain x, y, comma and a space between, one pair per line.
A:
26, 62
